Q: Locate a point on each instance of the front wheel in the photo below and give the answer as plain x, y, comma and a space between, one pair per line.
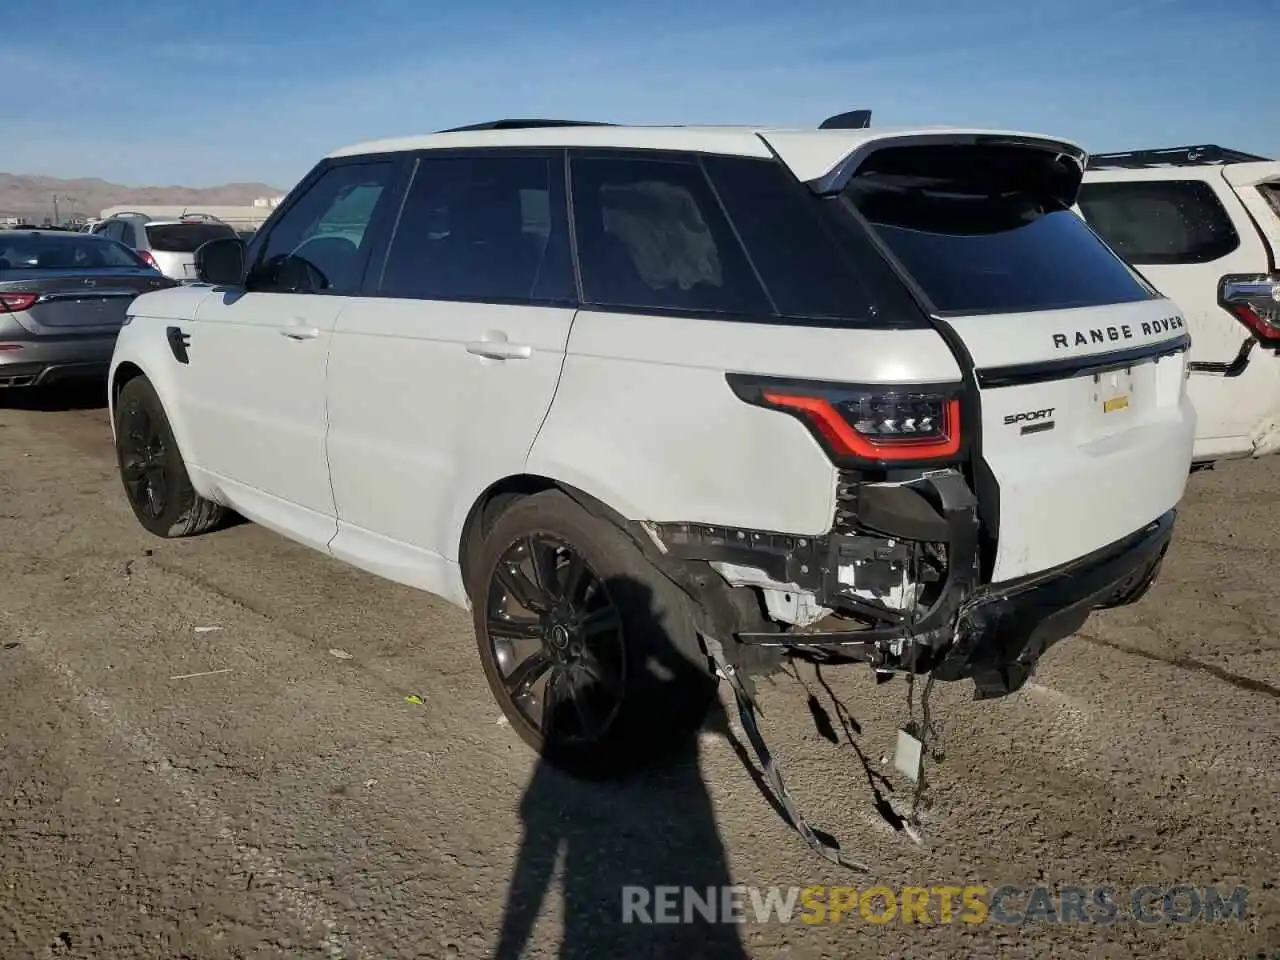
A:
152, 470
590, 651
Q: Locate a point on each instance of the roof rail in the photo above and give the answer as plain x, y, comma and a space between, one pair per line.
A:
853, 120
201, 217
1170, 156
524, 125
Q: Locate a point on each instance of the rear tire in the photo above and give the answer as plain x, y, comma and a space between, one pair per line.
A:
590, 651
152, 471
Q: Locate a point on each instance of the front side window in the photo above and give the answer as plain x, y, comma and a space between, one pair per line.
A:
483, 228
651, 235
1160, 221
320, 242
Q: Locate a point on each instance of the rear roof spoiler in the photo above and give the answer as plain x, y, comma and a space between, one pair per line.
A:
835, 177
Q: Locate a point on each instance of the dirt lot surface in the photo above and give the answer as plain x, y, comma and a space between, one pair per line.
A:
295, 804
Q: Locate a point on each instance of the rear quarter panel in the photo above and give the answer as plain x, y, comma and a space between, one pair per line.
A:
644, 420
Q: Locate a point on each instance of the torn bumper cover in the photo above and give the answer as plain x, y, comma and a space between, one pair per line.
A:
1002, 630
992, 634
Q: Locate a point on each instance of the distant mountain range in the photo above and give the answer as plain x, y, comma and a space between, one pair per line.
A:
31, 197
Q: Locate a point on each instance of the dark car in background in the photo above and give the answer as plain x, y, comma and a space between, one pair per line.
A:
63, 299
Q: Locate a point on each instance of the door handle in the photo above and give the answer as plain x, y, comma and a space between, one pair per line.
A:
495, 346
299, 332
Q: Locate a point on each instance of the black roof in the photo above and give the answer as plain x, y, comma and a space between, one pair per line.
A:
525, 125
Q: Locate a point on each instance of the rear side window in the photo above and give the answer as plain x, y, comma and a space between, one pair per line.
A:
809, 273
1160, 221
651, 235
483, 228
184, 237
984, 229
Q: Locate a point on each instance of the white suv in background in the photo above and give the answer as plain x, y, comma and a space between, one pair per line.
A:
635, 394
168, 245
1202, 224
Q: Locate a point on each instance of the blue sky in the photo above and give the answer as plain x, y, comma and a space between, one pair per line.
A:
175, 92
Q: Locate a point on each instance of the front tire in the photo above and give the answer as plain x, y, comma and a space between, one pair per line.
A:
154, 475
590, 651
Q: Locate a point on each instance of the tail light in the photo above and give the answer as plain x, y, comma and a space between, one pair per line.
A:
14, 302
1254, 300
885, 425
148, 259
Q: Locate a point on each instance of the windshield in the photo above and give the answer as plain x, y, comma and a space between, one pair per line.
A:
988, 230
71, 251
184, 237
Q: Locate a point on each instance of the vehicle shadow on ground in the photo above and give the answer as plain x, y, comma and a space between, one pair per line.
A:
73, 395
654, 829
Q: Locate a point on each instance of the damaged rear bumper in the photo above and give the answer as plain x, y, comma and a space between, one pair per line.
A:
1002, 630
990, 633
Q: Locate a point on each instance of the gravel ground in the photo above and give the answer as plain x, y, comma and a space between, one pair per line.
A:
295, 804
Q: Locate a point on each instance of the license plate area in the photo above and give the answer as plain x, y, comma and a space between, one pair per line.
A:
1117, 396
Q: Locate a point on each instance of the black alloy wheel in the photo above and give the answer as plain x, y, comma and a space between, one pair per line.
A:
591, 651
557, 639
144, 467
154, 475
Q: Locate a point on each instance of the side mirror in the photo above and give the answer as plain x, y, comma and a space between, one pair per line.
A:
221, 261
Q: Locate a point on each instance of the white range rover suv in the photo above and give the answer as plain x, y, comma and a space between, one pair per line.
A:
1202, 224
662, 404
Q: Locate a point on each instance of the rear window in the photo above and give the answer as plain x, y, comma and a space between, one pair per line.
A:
1271, 191
71, 252
1160, 221
985, 229
184, 237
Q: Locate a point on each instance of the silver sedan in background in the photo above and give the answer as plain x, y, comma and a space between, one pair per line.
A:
63, 298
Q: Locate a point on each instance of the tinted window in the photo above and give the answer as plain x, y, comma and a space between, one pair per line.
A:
482, 228
73, 252
319, 242
184, 237
651, 234
810, 272
1160, 221
1271, 191
985, 229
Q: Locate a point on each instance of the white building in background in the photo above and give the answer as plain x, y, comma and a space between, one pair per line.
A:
270, 202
